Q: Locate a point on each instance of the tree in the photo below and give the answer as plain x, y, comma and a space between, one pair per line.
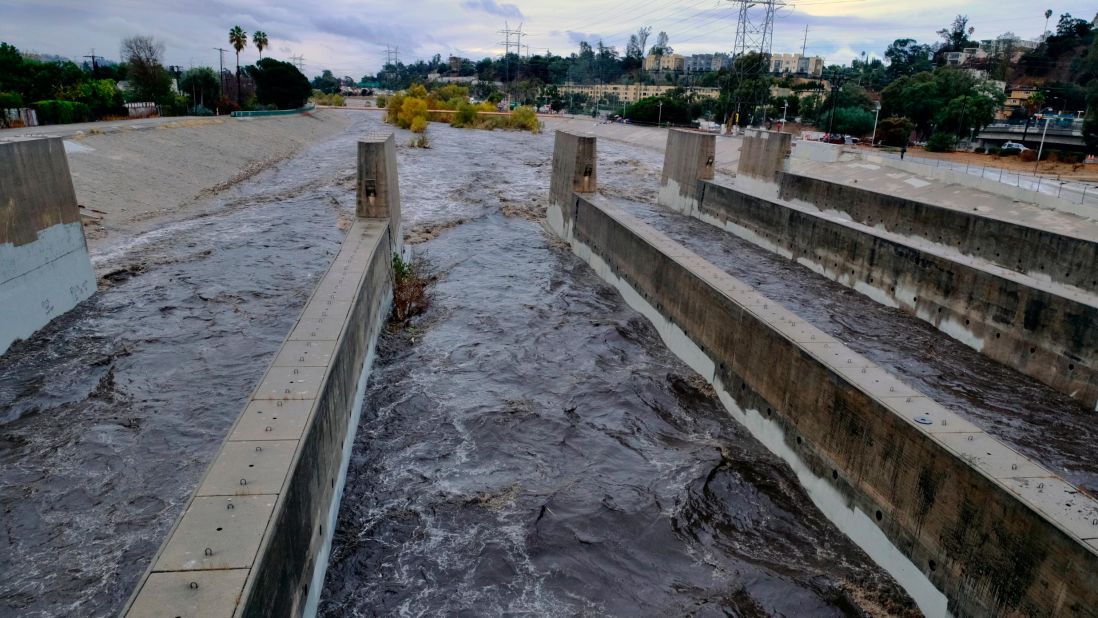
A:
202, 85
279, 83
907, 57
149, 80
955, 38
1090, 121
894, 131
239, 40
661, 49
326, 82
260, 39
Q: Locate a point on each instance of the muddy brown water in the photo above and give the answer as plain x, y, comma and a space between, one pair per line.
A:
1036, 420
529, 446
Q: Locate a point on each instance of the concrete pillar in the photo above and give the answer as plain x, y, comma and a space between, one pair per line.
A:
688, 158
574, 167
45, 269
378, 190
763, 154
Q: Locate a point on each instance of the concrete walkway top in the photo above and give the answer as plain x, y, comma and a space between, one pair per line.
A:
728, 148
892, 181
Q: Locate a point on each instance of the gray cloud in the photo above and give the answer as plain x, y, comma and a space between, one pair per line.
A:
509, 11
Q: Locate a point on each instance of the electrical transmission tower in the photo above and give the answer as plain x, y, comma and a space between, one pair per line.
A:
755, 25
507, 33
299, 62
754, 34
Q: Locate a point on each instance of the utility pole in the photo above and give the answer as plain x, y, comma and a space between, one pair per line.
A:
221, 71
95, 67
804, 45
1041, 148
873, 139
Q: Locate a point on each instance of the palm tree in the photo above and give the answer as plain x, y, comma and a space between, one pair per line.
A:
260, 39
239, 40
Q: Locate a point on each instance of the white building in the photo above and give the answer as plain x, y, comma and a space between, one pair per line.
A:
796, 63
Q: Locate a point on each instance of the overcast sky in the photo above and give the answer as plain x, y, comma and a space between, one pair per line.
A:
349, 37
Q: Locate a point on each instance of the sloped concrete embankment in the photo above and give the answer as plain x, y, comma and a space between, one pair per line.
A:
253, 540
938, 502
45, 269
1021, 296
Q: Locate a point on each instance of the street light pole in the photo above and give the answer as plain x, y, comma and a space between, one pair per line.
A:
873, 139
659, 119
1041, 148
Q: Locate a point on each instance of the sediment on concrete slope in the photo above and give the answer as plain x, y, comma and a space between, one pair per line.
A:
253, 540
995, 532
45, 269
1039, 328
1061, 258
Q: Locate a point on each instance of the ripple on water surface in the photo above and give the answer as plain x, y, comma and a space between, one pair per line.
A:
532, 447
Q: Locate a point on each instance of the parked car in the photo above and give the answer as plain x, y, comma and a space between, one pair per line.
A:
1013, 146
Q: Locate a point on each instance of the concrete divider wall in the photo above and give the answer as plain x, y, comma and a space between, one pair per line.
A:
998, 534
763, 154
254, 538
688, 156
45, 269
1064, 259
1050, 337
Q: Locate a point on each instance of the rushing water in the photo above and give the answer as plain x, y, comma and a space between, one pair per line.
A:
529, 446
1035, 419
109, 416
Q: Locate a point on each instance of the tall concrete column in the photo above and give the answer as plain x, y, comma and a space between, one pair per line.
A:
688, 158
763, 154
574, 167
45, 269
378, 192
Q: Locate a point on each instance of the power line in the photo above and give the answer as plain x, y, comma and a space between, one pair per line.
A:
221, 68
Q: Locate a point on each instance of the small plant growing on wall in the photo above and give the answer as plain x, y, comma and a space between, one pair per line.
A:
410, 297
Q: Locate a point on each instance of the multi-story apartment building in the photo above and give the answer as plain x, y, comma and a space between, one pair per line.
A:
704, 63
796, 63
629, 93
671, 62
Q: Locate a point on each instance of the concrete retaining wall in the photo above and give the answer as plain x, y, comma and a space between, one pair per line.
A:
1039, 253
45, 269
253, 540
997, 533
1049, 336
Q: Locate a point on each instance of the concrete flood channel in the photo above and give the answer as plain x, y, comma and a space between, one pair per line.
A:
529, 445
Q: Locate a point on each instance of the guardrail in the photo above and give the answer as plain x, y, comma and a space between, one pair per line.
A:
1074, 192
277, 112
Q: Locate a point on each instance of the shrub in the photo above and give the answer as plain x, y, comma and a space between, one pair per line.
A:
10, 100
411, 108
894, 131
465, 116
420, 141
419, 124
61, 112
381, 100
525, 118
993, 151
941, 142
1028, 155
410, 297
335, 100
